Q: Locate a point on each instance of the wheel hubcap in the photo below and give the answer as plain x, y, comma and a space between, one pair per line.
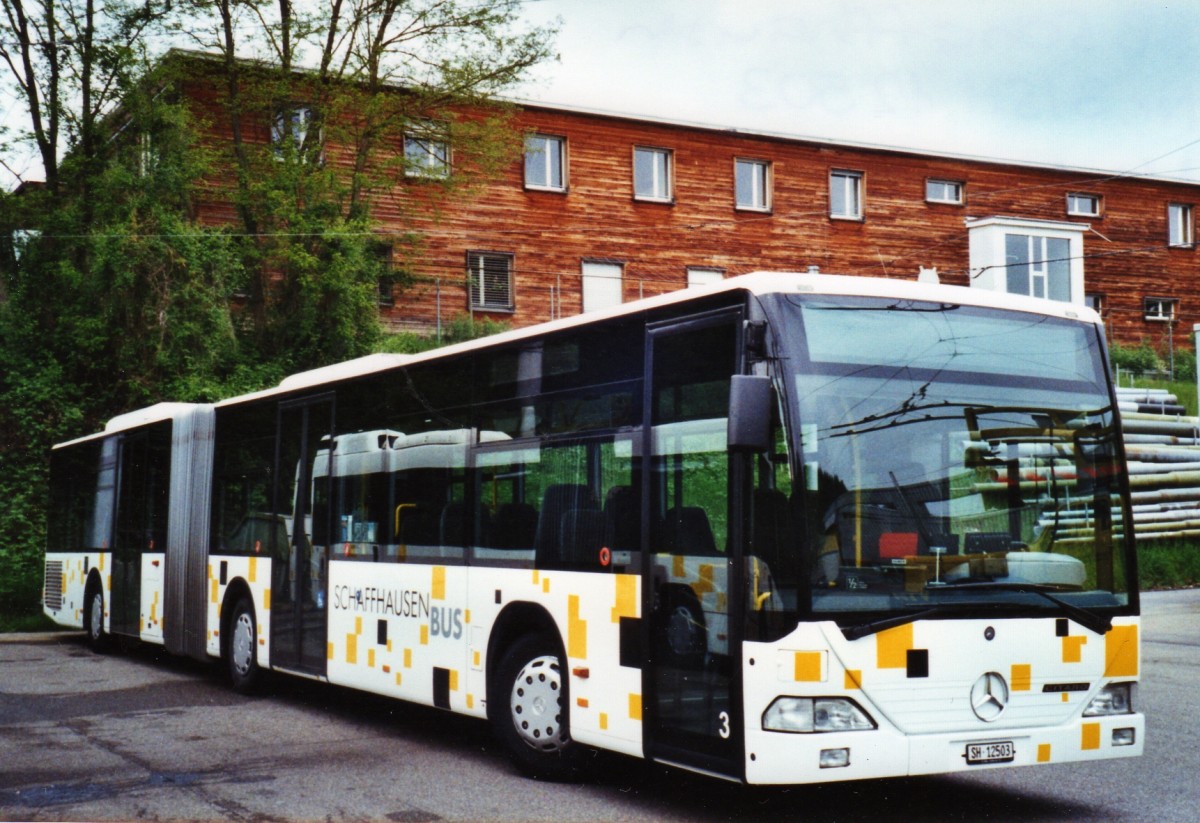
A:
536, 704
97, 617
243, 643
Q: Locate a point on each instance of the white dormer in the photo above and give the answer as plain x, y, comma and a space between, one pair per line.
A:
1039, 258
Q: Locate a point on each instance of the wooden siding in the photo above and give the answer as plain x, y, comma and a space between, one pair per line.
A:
550, 234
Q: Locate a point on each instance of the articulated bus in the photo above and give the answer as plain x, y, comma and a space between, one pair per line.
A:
783, 529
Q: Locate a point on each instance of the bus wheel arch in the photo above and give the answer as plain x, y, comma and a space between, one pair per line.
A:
239, 638
93, 614
528, 676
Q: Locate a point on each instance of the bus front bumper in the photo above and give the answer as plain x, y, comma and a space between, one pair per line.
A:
779, 758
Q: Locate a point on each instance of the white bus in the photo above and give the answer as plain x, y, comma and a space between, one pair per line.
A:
787, 528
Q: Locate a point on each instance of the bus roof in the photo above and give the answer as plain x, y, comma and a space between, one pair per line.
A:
758, 283
138, 417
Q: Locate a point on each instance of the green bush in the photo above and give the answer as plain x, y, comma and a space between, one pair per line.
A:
462, 327
1140, 358
1185, 366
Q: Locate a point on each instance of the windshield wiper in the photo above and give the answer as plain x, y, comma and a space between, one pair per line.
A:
1098, 623
875, 626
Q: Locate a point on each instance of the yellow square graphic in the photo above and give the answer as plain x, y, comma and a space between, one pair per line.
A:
807, 667
892, 645
626, 597
1091, 736
1022, 677
1043, 755
1121, 652
1072, 648
576, 630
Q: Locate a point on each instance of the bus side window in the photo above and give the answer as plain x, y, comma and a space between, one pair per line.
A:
243, 461
507, 517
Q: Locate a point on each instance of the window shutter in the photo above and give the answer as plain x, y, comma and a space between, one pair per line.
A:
490, 280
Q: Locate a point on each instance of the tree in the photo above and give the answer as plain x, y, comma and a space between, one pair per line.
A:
112, 295
70, 64
377, 70
105, 315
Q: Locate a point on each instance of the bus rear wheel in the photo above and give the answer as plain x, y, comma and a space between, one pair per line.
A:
93, 615
529, 710
241, 656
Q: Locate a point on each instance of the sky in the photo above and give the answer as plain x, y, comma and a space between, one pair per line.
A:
1095, 84
1112, 85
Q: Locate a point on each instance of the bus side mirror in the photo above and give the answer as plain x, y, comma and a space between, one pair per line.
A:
750, 413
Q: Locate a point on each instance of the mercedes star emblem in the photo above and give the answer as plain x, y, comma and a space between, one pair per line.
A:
989, 696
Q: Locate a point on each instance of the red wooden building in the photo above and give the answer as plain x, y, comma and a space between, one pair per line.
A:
604, 208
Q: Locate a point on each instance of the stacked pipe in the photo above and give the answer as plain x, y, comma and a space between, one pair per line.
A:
1162, 446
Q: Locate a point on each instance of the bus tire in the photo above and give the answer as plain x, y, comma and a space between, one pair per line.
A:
529, 710
93, 619
241, 658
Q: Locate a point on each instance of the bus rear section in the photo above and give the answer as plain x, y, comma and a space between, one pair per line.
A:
126, 551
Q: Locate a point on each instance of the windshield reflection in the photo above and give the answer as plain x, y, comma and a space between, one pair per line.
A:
928, 483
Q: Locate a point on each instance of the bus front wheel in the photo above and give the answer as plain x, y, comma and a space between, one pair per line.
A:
529, 710
241, 653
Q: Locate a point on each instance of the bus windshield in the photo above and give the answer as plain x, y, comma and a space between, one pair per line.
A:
953, 457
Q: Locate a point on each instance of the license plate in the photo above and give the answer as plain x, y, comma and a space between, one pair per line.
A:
998, 751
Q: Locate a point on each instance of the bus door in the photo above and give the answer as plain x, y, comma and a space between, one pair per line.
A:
143, 477
303, 501
691, 704
127, 537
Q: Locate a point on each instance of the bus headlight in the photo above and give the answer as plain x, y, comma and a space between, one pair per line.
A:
1115, 698
815, 714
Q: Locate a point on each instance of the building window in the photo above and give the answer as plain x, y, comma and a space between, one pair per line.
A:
147, 154
545, 166
1083, 205
24, 239
697, 276
490, 275
1179, 220
290, 132
386, 279
426, 154
652, 174
1040, 258
1038, 266
845, 195
752, 184
1160, 309
602, 285
944, 191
